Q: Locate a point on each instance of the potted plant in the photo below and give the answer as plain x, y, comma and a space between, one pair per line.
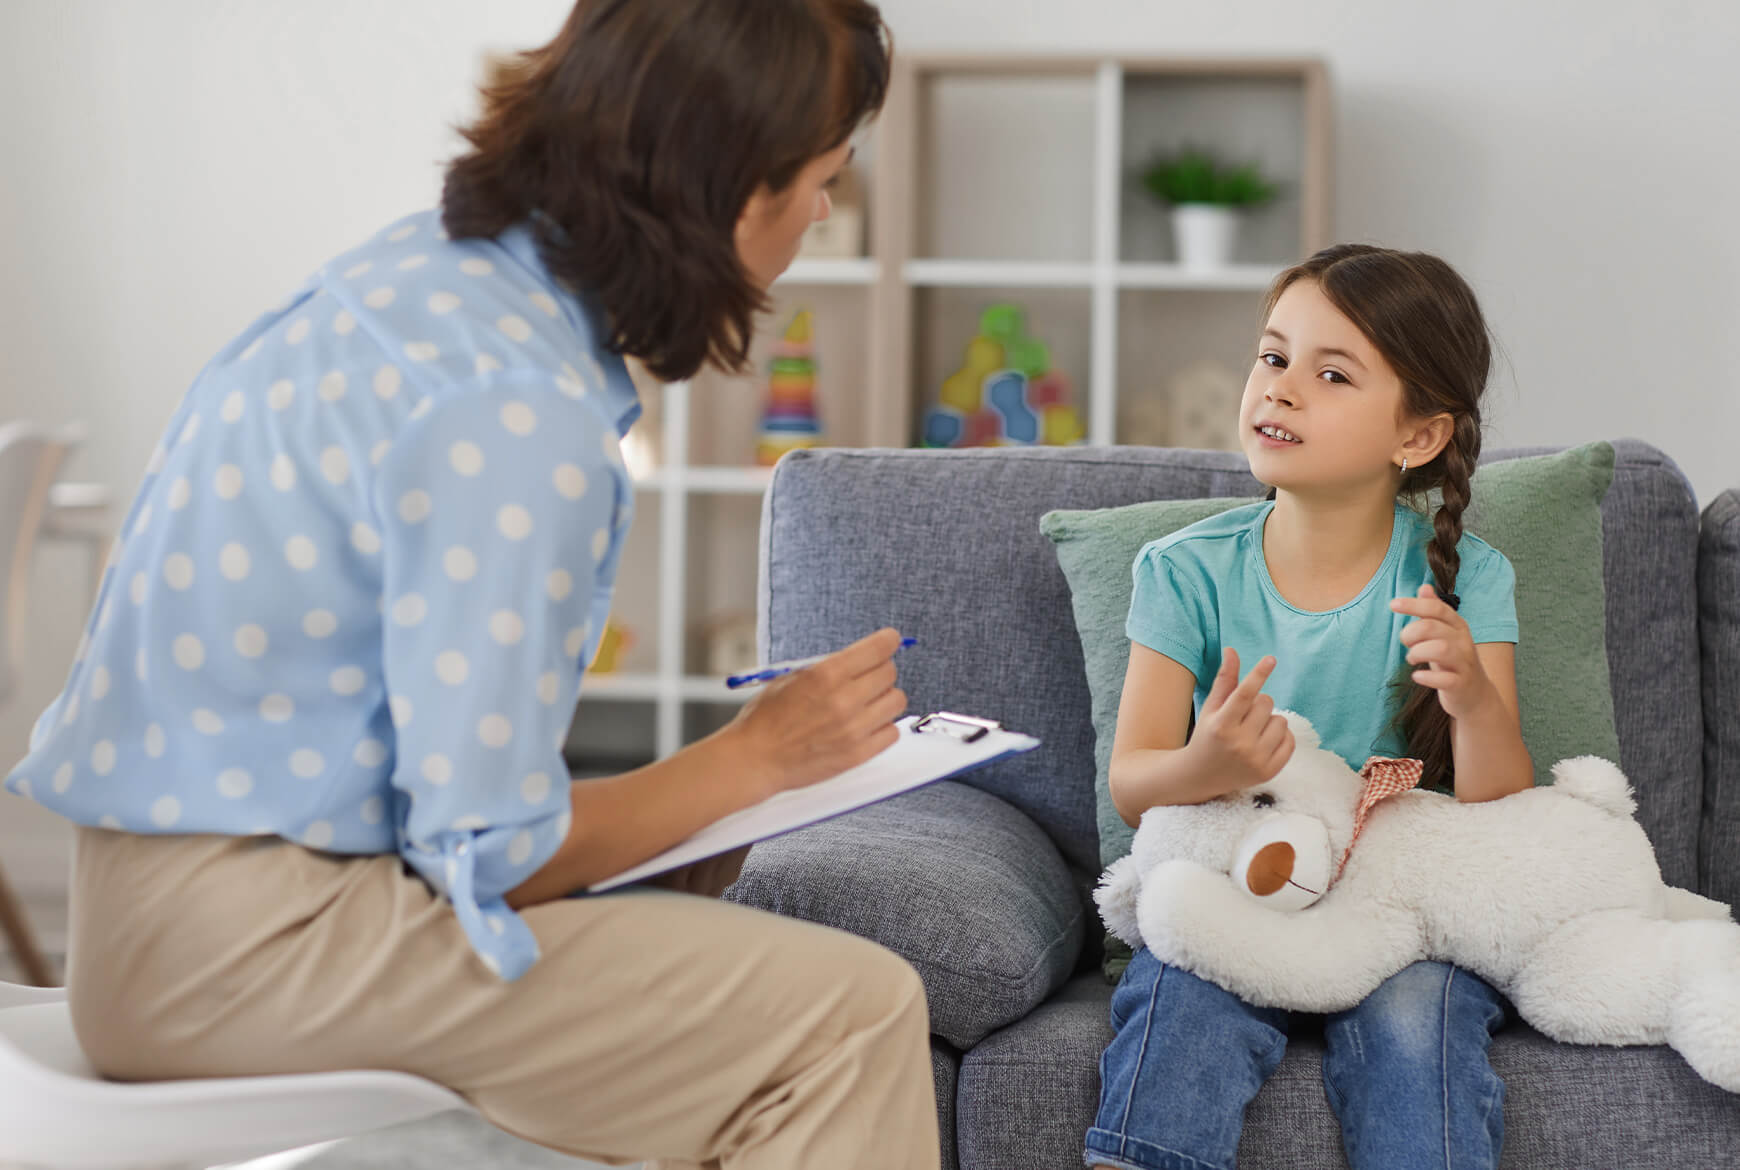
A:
1207, 198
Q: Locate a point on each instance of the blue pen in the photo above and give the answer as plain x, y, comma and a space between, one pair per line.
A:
779, 669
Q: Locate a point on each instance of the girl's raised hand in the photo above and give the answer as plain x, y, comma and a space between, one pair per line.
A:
1239, 739
1439, 638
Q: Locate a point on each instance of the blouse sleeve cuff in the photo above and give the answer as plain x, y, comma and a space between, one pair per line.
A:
499, 936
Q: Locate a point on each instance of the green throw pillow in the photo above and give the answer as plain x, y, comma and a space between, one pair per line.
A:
1543, 512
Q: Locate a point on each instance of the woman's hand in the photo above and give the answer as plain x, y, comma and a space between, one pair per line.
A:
708, 877
1239, 739
804, 727
817, 722
1439, 638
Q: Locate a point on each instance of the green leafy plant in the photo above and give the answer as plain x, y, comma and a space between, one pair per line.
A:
1193, 175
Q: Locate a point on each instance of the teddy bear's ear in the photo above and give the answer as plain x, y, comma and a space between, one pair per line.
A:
1304, 735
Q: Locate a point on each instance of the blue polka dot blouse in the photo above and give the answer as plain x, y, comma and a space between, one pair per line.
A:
352, 601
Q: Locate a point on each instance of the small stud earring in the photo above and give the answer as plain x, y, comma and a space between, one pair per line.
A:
1404, 465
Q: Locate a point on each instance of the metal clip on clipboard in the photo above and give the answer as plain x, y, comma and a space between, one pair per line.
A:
966, 728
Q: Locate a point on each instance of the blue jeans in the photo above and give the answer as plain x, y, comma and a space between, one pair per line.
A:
1406, 1071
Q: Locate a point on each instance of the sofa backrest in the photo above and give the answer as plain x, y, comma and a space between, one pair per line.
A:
945, 546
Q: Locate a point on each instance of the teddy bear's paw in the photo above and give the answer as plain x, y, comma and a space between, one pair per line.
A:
1597, 781
1706, 1015
1116, 898
1192, 915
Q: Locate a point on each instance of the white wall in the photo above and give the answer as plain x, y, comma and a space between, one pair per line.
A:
172, 167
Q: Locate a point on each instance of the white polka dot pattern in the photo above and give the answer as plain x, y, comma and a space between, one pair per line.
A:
352, 601
460, 563
234, 562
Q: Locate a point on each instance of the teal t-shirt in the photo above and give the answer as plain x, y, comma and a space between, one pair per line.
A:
1207, 586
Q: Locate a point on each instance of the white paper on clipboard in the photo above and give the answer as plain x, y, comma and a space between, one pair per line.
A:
930, 748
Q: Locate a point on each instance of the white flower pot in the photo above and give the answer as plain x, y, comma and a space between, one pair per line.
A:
1204, 234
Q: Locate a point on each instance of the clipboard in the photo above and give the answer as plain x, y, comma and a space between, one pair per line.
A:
930, 748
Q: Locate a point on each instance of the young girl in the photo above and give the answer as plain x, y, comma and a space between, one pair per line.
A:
1365, 395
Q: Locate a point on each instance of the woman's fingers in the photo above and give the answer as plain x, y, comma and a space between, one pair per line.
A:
862, 656
859, 747
819, 721
829, 698
878, 713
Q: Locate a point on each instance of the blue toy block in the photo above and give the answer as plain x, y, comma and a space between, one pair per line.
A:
1006, 392
943, 427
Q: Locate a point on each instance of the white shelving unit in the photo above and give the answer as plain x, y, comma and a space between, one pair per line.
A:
820, 272
669, 687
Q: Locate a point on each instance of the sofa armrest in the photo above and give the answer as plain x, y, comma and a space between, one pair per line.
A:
961, 884
1719, 639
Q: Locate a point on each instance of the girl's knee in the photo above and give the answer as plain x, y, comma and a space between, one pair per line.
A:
1158, 987
1164, 1015
1418, 1011
1405, 1015
1431, 989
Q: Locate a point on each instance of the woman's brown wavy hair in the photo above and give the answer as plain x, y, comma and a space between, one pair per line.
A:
637, 136
1424, 319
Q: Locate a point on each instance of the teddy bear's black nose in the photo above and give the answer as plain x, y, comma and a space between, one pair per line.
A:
1263, 800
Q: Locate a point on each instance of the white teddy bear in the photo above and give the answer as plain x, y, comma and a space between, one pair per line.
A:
1552, 895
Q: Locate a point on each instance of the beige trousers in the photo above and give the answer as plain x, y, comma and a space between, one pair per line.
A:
655, 1025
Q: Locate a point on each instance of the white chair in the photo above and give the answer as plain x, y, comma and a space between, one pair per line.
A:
56, 1112
78, 513
30, 460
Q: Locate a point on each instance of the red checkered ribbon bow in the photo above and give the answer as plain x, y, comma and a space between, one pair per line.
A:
1383, 778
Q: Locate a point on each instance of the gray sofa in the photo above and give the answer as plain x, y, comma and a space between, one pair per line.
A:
982, 882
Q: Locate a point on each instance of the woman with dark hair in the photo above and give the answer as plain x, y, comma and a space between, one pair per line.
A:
313, 737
